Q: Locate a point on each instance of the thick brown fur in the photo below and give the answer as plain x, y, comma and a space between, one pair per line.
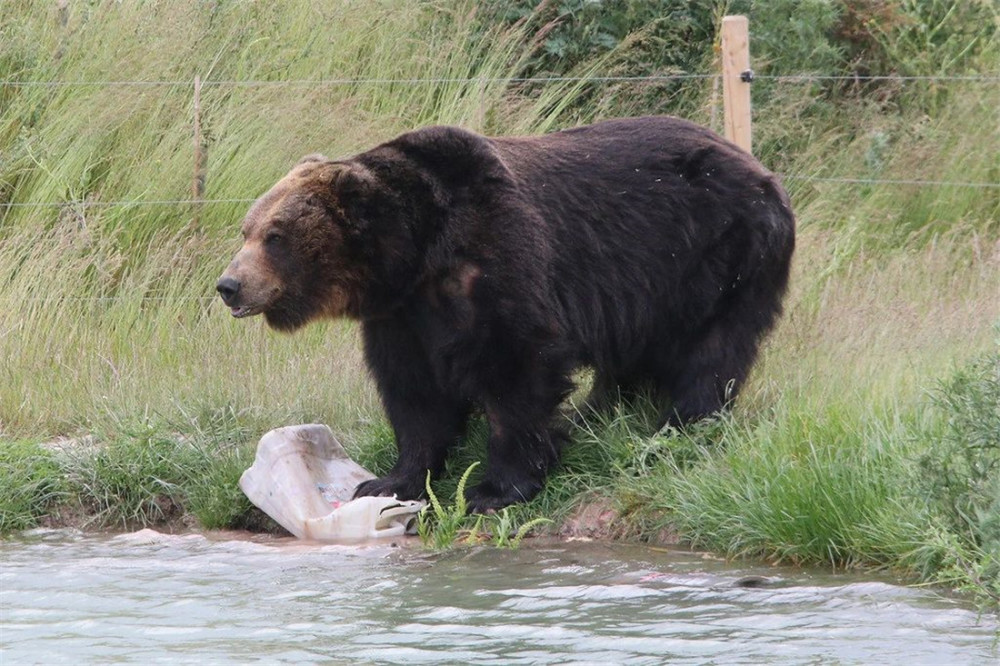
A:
484, 271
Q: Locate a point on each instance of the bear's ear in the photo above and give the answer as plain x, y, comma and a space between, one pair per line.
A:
350, 181
354, 187
345, 188
341, 177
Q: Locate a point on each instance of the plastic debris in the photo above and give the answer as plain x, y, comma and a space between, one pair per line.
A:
304, 480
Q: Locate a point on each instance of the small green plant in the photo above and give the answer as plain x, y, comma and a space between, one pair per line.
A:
504, 533
442, 530
442, 527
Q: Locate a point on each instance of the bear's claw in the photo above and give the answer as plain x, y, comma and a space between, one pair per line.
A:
388, 486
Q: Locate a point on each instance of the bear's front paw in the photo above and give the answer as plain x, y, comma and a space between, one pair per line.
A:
490, 496
387, 486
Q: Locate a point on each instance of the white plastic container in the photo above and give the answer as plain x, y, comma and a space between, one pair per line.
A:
304, 480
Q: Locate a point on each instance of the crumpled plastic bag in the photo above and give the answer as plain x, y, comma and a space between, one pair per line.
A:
304, 480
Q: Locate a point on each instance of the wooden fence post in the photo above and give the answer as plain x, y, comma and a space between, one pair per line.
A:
198, 182
736, 78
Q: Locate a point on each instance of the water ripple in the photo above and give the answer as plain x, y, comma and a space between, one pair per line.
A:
67, 597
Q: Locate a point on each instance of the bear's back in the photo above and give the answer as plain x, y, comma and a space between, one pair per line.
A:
636, 209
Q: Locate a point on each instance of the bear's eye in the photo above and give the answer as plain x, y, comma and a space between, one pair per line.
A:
272, 238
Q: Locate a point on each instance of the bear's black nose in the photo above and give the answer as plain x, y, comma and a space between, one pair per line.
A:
228, 288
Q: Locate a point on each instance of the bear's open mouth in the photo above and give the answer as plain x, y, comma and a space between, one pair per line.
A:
244, 311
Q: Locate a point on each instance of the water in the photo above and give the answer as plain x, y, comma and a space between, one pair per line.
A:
145, 598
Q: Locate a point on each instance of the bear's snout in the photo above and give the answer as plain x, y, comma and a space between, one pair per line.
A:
228, 288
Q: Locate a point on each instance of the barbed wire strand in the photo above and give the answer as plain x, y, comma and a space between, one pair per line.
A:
364, 81
786, 78
806, 78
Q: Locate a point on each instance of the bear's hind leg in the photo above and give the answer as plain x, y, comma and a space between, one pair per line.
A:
707, 374
519, 456
706, 380
524, 441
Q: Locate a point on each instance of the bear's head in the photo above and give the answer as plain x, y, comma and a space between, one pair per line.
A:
301, 257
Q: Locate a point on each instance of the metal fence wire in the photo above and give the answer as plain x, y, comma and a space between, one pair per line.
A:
249, 83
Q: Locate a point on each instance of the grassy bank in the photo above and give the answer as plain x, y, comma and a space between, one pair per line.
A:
855, 441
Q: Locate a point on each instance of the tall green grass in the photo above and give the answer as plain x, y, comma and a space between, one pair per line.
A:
110, 326
903, 484
30, 485
801, 488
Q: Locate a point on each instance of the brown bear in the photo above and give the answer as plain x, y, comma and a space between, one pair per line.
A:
484, 271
